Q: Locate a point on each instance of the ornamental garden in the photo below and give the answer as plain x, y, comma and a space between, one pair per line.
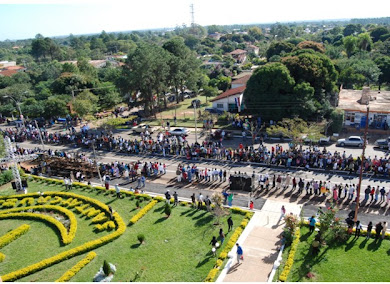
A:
52, 235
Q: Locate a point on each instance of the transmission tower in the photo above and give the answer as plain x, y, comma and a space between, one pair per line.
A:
192, 15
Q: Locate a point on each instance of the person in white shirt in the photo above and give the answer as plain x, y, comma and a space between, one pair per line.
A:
66, 182
351, 191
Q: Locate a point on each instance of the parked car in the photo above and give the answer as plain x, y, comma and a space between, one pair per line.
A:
214, 110
143, 127
382, 143
197, 102
179, 131
171, 99
321, 141
351, 141
217, 134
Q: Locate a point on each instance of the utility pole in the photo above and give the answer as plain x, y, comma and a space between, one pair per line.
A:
14, 165
97, 166
196, 129
361, 165
40, 135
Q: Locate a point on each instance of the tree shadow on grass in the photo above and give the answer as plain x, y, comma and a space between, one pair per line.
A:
204, 221
162, 219
270, 259
304, 237
134, 246
160, 209
309, 261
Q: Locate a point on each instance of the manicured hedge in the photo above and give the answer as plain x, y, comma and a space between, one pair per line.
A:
75, 269
13, 235
66, 237
290, 260
143, 211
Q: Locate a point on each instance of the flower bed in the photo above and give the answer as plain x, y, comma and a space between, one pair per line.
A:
121, 227
66, 237
13, 235
75, 269
143, 211
290, 260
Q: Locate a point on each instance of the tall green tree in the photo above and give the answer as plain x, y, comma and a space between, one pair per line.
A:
350, 45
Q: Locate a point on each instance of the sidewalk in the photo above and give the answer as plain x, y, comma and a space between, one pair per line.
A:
260, 243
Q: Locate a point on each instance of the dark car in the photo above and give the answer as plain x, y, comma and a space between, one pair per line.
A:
214, 110
217, 134
197, 102
382, 143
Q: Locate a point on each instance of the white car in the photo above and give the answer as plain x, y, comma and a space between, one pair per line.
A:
179, 131
351, 141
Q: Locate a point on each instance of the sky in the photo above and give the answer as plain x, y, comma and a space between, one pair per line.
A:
21, 19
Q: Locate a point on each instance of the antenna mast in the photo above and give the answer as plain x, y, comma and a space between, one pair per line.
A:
192, 15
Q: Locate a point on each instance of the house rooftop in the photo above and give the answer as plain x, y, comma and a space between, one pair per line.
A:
229, 93
378, 101
237, 52
242, 79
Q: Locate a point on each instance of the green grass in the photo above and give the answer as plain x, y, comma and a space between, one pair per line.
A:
354, 261
176, 249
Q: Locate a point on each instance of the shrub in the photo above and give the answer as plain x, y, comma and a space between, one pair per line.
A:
141, 238
137, 203
106, 268
2, 257
6, 177
210, 277
159, 198
142, 212
75, 269
290, 260
13, 235
167, 210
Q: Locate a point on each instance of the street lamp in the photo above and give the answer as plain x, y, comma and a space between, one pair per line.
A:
196, 129
18, 105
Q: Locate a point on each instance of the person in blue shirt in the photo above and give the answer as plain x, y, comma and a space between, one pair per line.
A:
312, 223
239, 253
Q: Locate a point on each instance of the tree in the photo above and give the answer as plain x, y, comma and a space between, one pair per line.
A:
55, 106
279, 48
296, 129
337, 118
268, 91
351, 29
218, 211
183, 66
85, 103
349, 77
210, 91
314, 68
383, 63
350, 45
316, 46
146, 72
255, 32
364, 42
378, 32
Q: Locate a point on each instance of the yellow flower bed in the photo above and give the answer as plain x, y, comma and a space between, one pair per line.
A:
2, 257
75, 269
210, 277
66, 238
290, 260
13, 235
143, 211
120, 225
109, 225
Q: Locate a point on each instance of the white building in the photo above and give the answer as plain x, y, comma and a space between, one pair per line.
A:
229, 100
355, 102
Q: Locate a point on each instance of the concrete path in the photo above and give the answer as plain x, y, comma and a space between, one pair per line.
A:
260, 242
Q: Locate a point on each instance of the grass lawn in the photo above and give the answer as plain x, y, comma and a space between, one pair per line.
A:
357, 260
176, 249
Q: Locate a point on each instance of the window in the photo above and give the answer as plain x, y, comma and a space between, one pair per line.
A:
220, 106
350, 116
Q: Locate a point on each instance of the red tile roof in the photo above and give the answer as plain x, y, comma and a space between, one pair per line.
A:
237, 52
14, 68
8, 73
229, 93
242, 80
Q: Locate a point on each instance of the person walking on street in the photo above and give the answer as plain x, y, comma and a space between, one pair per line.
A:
240, 253
358, 228
175, 198
382, 191
221, 235
230, 199
369, 229
312, 223
193, 200
230, 223
283, 212
117, 191
384, 230
378, 230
